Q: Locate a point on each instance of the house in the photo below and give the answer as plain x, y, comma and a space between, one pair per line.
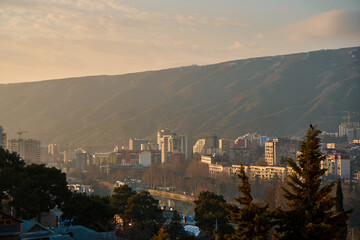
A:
10, 227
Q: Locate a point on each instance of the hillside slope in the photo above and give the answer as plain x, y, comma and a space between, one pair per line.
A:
277, 95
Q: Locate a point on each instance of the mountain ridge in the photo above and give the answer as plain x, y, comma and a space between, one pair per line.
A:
261, 94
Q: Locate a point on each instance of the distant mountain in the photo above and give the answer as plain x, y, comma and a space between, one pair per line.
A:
277, 95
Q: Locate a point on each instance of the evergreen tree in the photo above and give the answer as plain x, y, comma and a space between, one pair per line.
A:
253, 221
211, 212
339, 207
175, 229
40, 190
91, 211
11, 173
142, 207
310, 214
120, 197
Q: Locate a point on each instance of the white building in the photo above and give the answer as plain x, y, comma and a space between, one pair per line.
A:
171, 143
199, 146
263, 172
337, 165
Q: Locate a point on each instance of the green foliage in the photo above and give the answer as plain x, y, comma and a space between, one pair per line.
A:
252, 220
175, 228
339, 208
92, 211
41, 189
310, 214
33, 189
11, 171
211, 209
339, 204
120, 197
142, 207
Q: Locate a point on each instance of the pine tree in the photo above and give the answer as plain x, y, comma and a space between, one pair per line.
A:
175, 228
210, 213
339, 207
310, 214
253, 221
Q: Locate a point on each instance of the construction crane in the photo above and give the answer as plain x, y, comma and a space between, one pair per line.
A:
19, 133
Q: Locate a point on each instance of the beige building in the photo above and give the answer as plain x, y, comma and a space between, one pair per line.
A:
208, 145
53, 149
337, 165
170, 143
263, 172
219, 169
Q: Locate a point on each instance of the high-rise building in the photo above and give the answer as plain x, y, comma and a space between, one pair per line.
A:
161, 134
53, 149
81, 159
279, 149
350, 129
28, 149
337, 165
206, 145
171, 143
3, 138
224, 145
135, 143
199, 146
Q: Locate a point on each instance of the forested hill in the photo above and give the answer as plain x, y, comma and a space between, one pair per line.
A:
277, 95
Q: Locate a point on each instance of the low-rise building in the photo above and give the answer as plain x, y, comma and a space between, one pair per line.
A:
220, 168
263, 172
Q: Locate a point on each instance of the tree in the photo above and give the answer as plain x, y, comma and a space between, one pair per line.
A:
339, 208
92, 211
211, 210
120, 197
142, 207
162, 235
253, 221
11, 173
32, 189
142, 217
310, 214
339, 205
40, 190
175, 229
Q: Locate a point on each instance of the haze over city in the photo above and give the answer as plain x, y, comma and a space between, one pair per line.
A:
48, 39
154, 119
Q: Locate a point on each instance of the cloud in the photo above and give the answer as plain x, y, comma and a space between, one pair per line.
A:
236, 45
259, 36
215, 21
339, 24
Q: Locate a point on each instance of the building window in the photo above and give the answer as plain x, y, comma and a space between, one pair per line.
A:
5, 221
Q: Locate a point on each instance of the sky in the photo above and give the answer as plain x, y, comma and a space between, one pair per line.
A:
50, 39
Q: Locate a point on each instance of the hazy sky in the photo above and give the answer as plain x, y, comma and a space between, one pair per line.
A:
47, 39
